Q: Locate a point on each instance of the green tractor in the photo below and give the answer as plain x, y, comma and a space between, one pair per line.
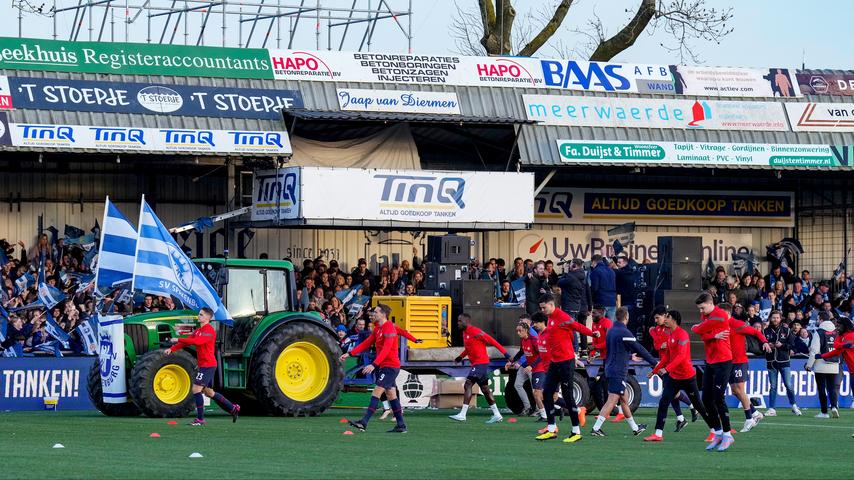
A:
274, 360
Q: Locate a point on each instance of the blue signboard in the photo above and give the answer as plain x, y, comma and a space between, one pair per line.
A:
25, 383
147, 98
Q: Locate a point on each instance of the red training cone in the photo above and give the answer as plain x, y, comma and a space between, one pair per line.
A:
154, 435
171, 422
343, 420
511, 420
348, 432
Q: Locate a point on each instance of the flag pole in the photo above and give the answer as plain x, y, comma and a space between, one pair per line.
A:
101, 244
136, 251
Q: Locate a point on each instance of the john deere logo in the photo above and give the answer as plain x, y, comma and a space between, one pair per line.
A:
181, 268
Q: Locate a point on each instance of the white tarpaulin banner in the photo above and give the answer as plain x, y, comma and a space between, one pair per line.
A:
276, 194
556, 245
697, 153
734, 82
654, 113
417, 196
821, 117
111, 358
586, 206
149, 139
402, 101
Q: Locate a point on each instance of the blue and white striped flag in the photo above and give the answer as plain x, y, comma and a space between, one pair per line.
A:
54, 329
88, 332
12, 352
118, 247
49, 295
161, 268
23, 282
52, 347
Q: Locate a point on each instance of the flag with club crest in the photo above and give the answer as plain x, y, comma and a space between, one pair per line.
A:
48, 294
161, 268
118, 247
23, 283
88, 332
55, 330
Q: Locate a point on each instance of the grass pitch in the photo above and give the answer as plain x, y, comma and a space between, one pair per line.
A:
435, 447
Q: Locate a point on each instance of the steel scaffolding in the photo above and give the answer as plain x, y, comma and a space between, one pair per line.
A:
190, 22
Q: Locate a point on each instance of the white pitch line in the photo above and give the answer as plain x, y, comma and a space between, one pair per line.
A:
807, 426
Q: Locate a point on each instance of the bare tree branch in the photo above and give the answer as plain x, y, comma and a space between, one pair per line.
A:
626, 37
548, 30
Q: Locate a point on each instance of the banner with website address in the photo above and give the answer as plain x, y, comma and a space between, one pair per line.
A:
710, 154
586, 206
624, 112
161, 140
133, 58
149, 98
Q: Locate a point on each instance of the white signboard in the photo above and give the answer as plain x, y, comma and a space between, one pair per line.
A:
715, 154
402, 101
556, 245
821, 117
586, 206
734, 82
626, 112
149, 139
414, 391
276, 194
417, 196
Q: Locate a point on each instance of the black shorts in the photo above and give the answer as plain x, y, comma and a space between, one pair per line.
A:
616, 385
387, 377
738, 374
479, 374
204, 376
538, 380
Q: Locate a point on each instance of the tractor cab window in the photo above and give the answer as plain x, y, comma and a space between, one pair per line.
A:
245, 292
277, 290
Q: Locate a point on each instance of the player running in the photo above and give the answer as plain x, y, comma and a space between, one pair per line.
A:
715, 321
561, 330
660, 336
677, 372
621, 343
534, 367
475, 341
738, 331
843, 345
204, 338
387, 365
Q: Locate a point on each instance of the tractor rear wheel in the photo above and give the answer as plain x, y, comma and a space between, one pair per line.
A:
96, 395
161, 385
296, 372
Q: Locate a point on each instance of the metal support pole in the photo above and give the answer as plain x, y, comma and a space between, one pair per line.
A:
329, 31
279, 24
409, 33
90, 20
546, 180
54, 19
186, 26
223, 23
317, 27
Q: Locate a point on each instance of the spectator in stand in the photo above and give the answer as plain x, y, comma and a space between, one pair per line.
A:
801, 343
501, 268
807, 282
778, 362
550, 272
827, 373
776, 275
603, 285
720, 284
746, 291
418, 280
536, 285
738, 312
753, 313
507, 295
518, 270
490, 273
410, 290
361, 273
625, 283
307, 290
396, 285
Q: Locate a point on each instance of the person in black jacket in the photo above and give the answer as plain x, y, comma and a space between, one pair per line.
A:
536, 285
575, 296
778, 362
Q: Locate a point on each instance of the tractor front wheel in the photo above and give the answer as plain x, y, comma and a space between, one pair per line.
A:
161, 385
96, 395
295, 370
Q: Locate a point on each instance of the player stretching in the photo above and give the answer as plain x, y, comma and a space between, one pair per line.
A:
387, 365
538, 322
677, 373
534, 364
660, 336
714, 322
474, 347
204, 338
843, 345
738, 331
620, 343
561, 330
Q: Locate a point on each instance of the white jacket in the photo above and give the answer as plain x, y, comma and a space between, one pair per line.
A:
821, 366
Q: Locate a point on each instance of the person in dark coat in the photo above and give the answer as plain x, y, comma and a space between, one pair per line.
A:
536, 285
603, 285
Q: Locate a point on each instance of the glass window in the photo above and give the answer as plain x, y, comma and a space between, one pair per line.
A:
245, 292
277, 290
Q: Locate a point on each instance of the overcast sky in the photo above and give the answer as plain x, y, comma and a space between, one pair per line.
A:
767, 32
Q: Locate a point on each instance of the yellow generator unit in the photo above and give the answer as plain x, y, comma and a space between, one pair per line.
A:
424, 317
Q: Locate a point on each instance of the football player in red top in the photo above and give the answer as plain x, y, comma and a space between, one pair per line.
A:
475, 341
386, 364
714, 329
204, 339
660, 335
534, 368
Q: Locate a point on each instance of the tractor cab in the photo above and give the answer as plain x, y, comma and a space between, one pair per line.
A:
251, 290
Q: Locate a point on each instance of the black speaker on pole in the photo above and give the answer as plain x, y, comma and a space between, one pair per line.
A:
481, 317
473, 293
506, 320
448, 249
440, 276
683, 301
680, 263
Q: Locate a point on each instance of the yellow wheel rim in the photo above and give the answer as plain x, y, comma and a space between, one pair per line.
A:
171, 384
302, 371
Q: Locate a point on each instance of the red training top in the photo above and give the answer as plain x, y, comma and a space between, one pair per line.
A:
543, 348
561, 332
204, 338
847, 353
474, 345
600, 346
385, 338
738, 330
717, 351
660, 335
676, 358
532, 354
